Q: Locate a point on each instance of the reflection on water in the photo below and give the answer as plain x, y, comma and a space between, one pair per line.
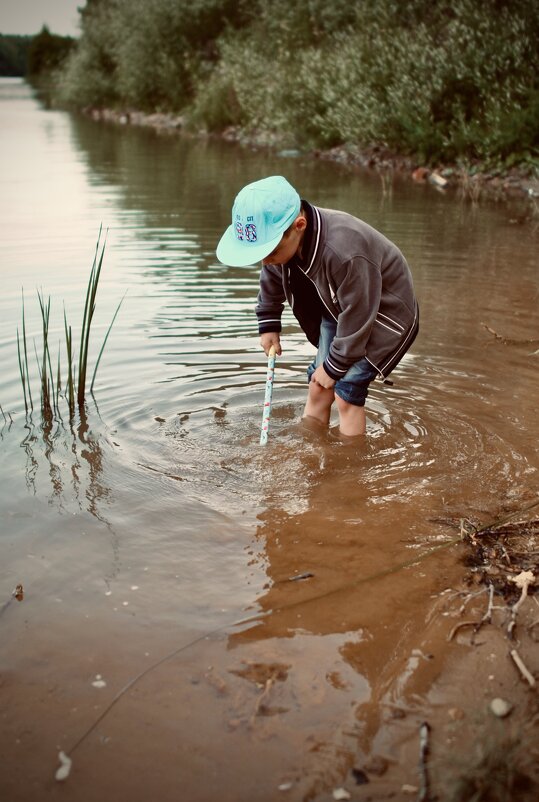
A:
71, 456
154, 517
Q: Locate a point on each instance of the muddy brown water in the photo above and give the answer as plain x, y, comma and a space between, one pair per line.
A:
155, 526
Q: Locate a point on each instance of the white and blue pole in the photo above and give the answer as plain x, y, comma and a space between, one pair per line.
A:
266, 412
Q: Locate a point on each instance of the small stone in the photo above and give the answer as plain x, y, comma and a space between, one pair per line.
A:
285, 786
455, 713
65, 767
409, 789
500, 707
341, 793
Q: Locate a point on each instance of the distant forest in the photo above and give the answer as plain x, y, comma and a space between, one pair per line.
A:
14, 55
33, 56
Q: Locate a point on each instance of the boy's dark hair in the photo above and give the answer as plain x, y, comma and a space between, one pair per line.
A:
289, 229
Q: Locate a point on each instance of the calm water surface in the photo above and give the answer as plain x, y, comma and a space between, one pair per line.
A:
155, 525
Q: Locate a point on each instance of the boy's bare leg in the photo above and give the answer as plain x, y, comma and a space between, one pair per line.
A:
319, 403
352, 419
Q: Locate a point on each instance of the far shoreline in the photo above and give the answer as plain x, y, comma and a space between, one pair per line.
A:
515, 186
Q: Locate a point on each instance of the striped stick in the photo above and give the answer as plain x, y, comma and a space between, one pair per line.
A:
266, 412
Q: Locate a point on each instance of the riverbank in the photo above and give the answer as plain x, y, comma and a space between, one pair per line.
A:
516, 186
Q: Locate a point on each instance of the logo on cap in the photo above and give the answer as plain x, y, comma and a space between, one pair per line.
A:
250, 232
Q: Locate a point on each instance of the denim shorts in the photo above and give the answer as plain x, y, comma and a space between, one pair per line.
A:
354, 385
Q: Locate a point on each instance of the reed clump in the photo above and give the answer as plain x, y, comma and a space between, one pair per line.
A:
72, 381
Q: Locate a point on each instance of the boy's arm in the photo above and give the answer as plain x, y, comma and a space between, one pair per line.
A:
270, 305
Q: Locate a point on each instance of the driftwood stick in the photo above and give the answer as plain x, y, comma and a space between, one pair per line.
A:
508, 340
530, 679
424, 789
460, 626
262, 698
468, 599
488, 528
487, 618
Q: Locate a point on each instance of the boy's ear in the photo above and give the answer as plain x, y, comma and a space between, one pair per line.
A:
300, 223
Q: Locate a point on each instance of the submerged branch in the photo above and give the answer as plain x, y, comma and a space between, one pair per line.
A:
509, 340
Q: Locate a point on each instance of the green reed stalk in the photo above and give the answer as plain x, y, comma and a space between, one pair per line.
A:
46, 375
26, 354
22, 371
58, 381
105, 341
23, 363
70, 383
89, 309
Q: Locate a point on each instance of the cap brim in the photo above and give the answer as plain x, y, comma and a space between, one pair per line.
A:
234, 252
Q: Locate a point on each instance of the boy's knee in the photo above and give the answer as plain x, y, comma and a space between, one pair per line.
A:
345, 406
317, 391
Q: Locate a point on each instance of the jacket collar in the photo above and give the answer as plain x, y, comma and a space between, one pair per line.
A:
311, 241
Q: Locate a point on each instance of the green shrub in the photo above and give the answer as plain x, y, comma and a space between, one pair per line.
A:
435, 79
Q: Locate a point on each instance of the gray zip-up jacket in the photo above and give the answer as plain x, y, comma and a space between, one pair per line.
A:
352, 273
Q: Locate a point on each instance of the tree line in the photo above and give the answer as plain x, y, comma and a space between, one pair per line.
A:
437, 79
33, 56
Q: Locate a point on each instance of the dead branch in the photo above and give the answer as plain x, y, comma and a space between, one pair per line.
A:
460, 626
424, 790
530, 679
468, 599
262, 698
486, 619
508, 340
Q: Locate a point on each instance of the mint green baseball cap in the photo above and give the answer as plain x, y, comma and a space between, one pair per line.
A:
261, 213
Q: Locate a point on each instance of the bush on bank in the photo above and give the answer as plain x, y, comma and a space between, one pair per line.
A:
433, 79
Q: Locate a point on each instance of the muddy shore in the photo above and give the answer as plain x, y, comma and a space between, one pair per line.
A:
516, 186
457, 710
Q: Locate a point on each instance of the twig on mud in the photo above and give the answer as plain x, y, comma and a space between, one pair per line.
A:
522, 581
530, 679
460, 626
486, 619
468, 530
508, 340
262, 698
424, 792
488, 528
468, 599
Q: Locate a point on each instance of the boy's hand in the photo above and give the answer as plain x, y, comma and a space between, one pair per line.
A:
321, 377
271, 338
